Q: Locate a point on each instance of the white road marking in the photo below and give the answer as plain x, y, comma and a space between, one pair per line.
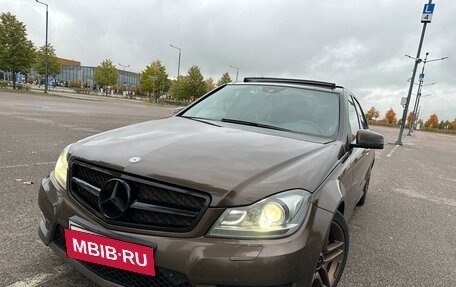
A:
447, 178
27, 165
38, 120
430, 198
31, 282
392, 151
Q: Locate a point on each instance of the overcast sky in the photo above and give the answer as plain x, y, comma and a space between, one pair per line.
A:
357, 44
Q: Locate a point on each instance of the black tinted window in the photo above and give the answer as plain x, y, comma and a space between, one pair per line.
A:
353, 117
361, 118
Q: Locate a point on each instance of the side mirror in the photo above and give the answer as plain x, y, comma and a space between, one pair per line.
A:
368, 139
177, 110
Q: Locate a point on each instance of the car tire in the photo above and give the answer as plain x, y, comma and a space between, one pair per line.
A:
362, 200
333, 255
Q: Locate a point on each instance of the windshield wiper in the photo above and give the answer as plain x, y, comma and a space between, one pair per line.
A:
201, 120
254, 124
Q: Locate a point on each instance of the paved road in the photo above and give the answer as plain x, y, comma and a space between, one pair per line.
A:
403, 236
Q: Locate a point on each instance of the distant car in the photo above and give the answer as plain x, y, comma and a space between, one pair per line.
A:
251, 185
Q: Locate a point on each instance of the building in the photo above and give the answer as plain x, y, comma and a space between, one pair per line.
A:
72, 71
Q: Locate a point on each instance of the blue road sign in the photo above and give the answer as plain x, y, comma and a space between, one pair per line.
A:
428, 8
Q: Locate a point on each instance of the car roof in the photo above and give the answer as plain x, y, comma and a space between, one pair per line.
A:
320, 85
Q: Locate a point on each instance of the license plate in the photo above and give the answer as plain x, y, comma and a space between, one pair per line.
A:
88, 246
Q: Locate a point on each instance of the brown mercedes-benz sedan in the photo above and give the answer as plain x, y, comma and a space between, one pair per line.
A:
251, 185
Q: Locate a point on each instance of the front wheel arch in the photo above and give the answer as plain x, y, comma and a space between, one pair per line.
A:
341, 207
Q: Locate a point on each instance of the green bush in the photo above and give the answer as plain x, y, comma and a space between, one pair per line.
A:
75, 84
82, 91
384, 123
172, 102
440, 131
3, 84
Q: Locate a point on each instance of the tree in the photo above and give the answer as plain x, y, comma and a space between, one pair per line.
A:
154, 79
176, 87
411, 117
453, 125
390, 116
54, 66
372, 114
193, 84
432, 122
106, 74
225, 79
209, 84
17, 53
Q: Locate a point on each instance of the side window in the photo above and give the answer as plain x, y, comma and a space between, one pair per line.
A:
353, 117
362, 119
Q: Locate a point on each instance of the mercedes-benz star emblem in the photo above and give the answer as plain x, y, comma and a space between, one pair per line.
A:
134, 159
114, 198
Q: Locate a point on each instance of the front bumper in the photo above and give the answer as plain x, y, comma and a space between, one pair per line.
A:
191, 261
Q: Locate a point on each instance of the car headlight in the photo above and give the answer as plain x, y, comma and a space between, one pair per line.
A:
61, 168
276, 216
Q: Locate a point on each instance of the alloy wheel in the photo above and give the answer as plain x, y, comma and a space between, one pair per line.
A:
332, 258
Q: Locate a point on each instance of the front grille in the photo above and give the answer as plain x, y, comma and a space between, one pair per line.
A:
282, 285
163, 277
154, 206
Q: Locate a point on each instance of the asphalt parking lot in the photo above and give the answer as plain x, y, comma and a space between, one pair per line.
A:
403, 236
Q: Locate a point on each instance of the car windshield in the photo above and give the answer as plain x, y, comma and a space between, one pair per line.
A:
290, 109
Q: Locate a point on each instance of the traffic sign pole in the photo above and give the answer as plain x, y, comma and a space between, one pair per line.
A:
428, 9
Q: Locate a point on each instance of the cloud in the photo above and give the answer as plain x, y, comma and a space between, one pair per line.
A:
358, 44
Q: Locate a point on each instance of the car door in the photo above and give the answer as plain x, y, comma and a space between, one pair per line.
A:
361, 158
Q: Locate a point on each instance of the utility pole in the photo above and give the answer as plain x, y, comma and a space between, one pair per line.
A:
425, 19
418, 94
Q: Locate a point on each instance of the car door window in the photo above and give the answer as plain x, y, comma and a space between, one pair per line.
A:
353, 117
359, 110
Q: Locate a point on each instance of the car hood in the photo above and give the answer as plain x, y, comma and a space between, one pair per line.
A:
235, 166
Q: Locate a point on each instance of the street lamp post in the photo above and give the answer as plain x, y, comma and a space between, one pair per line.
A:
237, 71
124, 66
419, 108
153, 78
420, 86
178, 69
45, 49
